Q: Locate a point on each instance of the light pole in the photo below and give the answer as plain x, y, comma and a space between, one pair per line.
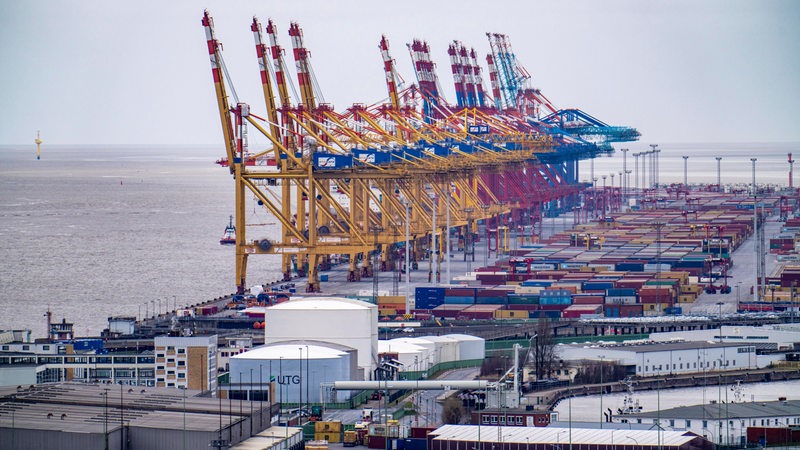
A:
685, 170
434, 244
105, 417
604, 194
634, 440
624, 170
756, 287
300, 388
601, 391
448, 278
636, 173
408, 260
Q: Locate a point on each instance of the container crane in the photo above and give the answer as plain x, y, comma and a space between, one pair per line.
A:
381, 158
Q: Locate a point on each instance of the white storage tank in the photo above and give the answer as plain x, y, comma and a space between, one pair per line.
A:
343, 321
446, 348
411, 355
294, 367
469, 347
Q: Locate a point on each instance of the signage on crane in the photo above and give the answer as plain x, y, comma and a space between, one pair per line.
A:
478, 129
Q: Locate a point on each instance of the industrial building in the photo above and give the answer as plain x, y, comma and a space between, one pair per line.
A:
187, 362
422, 353
650, 359
768, 338
723, 422
473, 437
80, 416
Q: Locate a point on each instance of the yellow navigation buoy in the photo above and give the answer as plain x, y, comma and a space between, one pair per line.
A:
38, 146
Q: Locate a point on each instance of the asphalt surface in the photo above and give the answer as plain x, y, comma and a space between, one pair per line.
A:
742, 277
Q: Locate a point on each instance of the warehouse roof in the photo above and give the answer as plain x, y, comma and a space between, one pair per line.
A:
553, 435
663, 346
749, 410
89, 407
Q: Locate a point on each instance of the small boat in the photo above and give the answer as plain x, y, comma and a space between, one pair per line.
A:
229, 236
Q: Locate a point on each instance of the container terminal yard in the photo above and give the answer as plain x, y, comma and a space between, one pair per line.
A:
421, 241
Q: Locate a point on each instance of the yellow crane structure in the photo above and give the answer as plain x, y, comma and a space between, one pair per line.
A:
344, 183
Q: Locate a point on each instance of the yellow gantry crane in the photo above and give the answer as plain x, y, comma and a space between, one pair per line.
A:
344, 183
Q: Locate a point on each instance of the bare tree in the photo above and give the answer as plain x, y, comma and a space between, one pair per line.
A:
590, 372
492, 366
542, 352
452, 411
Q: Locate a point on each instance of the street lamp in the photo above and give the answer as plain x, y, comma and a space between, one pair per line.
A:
634, 440
601, 391
685, 170
407, 205
104, 394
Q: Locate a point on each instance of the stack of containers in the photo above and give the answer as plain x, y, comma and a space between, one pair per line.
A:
428, 298
459, 296
390, 305
492, 297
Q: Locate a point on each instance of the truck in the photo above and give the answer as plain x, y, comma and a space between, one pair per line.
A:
316, 413
351, 438
367, 415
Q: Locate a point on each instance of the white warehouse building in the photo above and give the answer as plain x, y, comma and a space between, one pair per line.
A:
667, 358
346, 322
422, 353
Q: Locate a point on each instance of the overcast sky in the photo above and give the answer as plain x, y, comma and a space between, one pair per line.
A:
97, 72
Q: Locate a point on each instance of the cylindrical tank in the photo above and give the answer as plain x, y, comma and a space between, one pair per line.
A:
292, 367
343, 321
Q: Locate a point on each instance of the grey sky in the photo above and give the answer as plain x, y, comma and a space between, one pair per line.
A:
97, 72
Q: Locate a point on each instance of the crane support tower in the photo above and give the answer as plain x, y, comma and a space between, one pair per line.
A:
343, 183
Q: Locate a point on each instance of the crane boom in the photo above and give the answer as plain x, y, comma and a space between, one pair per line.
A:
388, 68
219, 86
303, 66
266, 80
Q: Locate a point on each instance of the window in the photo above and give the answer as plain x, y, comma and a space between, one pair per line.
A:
688, 424
45, 347
681, 365
181, 375
672, 423
26, 347
705, 424
5, 347
181, 363
646, 368
494, 419
181, 351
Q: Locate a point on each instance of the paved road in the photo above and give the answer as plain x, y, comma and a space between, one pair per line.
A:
743, 271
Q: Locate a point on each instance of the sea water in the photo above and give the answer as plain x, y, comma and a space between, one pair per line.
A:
95, 232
